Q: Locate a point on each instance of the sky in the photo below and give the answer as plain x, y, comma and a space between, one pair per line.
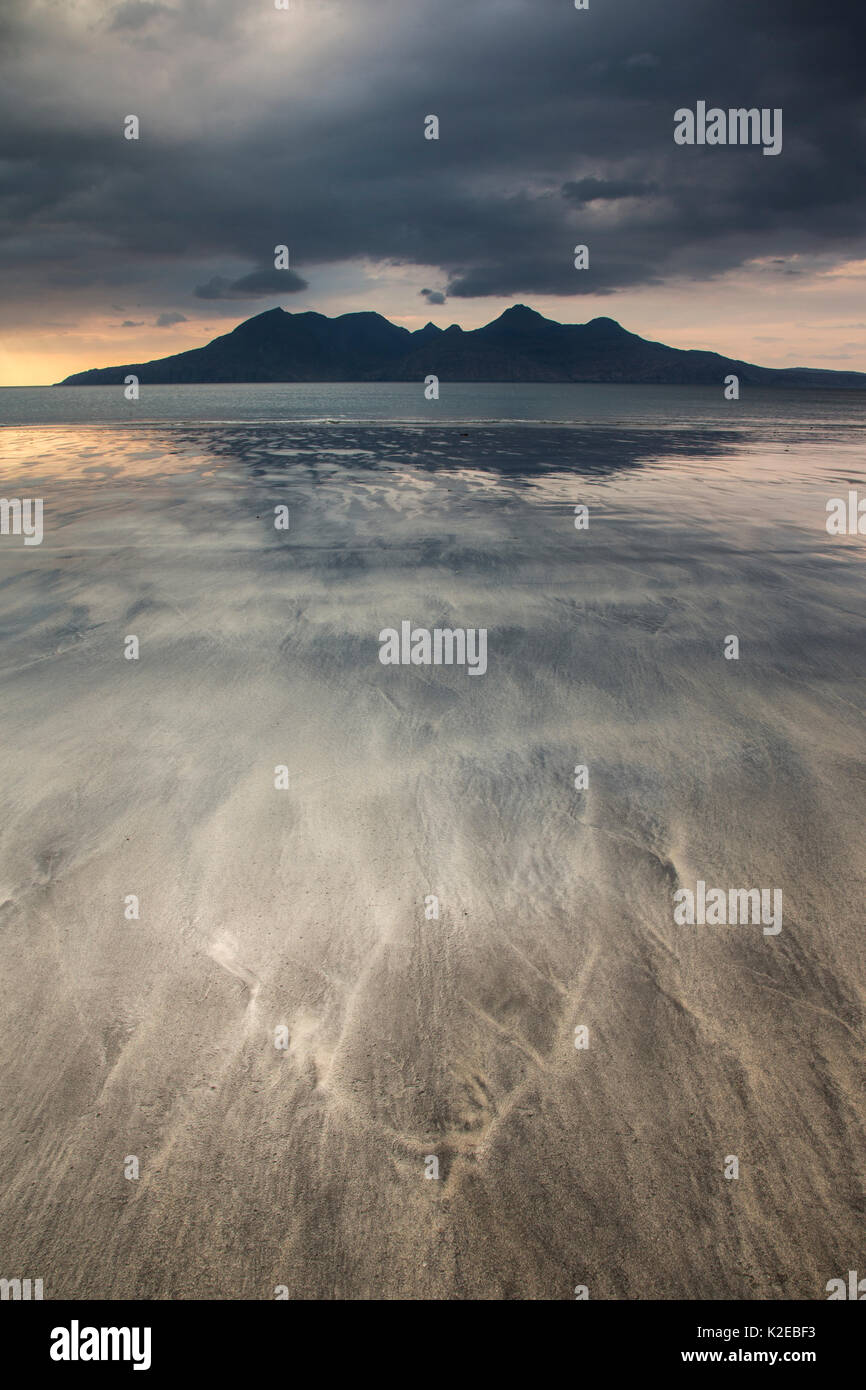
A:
304, 127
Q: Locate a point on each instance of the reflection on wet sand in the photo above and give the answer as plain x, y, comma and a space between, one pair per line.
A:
283, 1036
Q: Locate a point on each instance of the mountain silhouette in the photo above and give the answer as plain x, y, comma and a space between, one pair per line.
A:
520, 345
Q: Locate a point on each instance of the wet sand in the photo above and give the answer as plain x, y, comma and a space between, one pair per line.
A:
304, 908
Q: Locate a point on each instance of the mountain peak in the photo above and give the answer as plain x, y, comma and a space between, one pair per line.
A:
265, 322
518, 318
608, 325
430, 330
265, 315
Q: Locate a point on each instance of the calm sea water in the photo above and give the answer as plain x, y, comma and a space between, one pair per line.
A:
673, 406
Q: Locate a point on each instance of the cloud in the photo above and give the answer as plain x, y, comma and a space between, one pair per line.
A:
131, 323
136, 14
434, 296
590, 190
252, 286
256, 132
169, 319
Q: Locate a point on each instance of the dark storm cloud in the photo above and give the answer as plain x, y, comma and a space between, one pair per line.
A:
259, 126
257, 283
593, 190
434, 296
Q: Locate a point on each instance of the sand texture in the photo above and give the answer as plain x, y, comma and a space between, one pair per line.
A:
305, 907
